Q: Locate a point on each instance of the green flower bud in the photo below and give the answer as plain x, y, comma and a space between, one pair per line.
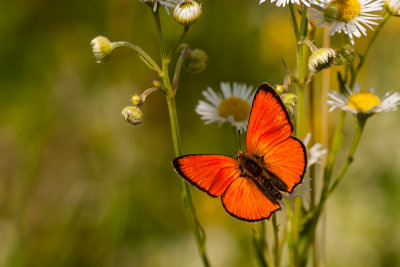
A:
289, 100
135, 99
330, 13
280, 89
345, 54
182, 47
196, 61
133, 115
102, 48
321, 59
187, 12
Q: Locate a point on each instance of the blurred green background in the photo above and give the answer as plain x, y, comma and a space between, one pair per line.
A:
81, 187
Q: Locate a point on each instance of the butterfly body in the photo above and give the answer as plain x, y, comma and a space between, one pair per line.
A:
253, 167
252, 186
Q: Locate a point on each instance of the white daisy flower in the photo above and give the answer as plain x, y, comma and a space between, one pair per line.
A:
285, 2
233, 106
165, 3
393, 7
363, 102
349, 16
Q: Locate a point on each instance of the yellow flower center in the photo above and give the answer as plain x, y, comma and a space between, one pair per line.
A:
236, 107
363, 101
347, 9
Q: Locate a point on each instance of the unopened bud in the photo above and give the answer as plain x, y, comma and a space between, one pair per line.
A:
182, 47
156, 83
330, 13
102, 48
135, 100
187, 12
133, 115
196, 61
321, 59
289, 100
280, 89
345, 54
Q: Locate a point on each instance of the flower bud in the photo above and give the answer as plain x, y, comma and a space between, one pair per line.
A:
279, 89
330, 13
133, 115
289, 100
102, 48
345, 54
182, 47
321, 59
196, 61
135, 99
187, 12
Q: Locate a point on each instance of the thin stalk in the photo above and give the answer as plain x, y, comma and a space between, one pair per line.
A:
159, 33
260, 245
361, 120
142, 54
186, 195
294, 21
197, 228
363, 57
177, 74
276, 247
302, 60
172, 51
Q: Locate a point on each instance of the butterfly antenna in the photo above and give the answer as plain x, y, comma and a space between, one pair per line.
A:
240, 142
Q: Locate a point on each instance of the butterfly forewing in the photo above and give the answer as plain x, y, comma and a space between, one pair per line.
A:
210, 173
269, 122
268, 136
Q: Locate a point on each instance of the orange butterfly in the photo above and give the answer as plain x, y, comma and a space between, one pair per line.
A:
251, 186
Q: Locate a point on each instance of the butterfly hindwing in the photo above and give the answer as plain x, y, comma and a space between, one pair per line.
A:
210, 173
244, 200
269, 136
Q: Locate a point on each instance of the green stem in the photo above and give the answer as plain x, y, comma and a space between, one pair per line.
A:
302, 60
197, 228
177, 74
362, 57
173, 50
186, 195
276, 248
142, 54
294, 21
160, 34
260, 245
361, 120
